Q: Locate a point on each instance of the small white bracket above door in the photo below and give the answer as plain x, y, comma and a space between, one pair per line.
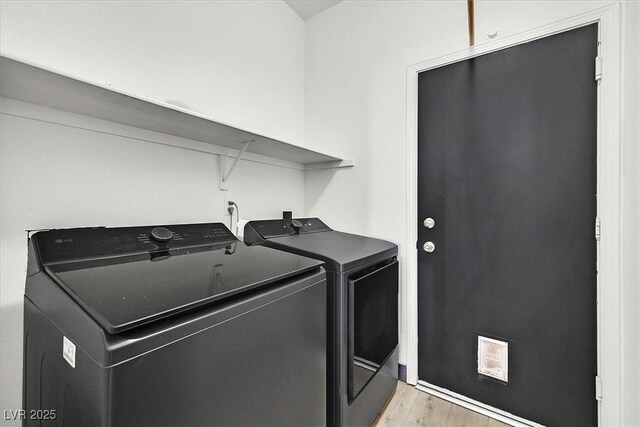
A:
225, 174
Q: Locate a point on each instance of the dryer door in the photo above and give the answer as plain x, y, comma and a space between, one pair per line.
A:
373, 323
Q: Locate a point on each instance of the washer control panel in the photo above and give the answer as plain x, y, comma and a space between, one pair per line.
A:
87, 243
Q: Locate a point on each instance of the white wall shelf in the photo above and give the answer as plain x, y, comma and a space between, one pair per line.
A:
34, 85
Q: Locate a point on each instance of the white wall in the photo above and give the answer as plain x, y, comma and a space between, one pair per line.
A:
357, 57
240, 62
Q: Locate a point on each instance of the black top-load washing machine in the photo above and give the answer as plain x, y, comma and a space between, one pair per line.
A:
180, 325
362, 303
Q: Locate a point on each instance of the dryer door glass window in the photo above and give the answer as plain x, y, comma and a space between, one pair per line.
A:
373, 323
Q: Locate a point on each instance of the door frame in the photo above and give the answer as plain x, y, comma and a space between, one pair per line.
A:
609, 121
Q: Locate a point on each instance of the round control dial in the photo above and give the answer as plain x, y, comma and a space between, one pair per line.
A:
161, 234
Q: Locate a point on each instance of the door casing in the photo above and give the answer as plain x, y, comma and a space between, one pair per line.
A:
608, 204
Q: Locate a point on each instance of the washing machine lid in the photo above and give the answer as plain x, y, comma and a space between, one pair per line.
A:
340, 251
124, 277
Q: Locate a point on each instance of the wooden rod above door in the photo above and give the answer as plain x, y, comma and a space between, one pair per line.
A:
472, 40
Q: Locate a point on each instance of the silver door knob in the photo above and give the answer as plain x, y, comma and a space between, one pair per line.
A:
429, 222
429, 247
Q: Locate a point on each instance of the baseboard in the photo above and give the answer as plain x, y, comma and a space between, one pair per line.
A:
474, 405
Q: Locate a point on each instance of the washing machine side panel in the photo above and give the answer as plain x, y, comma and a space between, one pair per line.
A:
335, 349
342, 333
63, 312
55, 392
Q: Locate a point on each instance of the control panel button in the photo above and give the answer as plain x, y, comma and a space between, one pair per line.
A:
297, 225
161, 234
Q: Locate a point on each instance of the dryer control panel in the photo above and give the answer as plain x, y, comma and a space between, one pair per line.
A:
258, 231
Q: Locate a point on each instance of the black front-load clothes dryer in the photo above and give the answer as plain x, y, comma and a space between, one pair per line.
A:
362, 317
179, 325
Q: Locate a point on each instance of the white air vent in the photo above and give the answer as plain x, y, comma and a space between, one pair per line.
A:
493, 358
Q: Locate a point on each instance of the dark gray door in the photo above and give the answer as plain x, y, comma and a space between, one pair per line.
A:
507, 169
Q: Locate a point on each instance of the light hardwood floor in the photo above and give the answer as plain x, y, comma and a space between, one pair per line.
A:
412, 407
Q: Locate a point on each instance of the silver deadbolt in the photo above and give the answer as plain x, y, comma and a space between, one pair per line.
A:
429, 222
429, 247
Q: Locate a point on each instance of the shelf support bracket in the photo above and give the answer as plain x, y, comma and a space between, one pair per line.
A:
224, 175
